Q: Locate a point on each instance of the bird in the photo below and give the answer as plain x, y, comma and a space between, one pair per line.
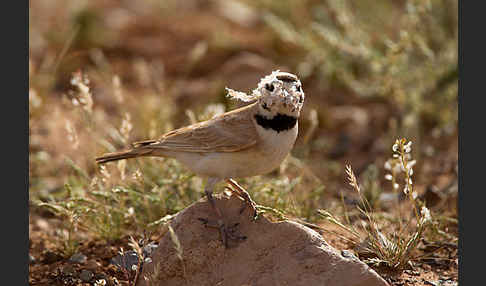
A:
247, 141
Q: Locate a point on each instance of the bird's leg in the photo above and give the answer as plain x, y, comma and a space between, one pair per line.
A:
223, 229
244, 194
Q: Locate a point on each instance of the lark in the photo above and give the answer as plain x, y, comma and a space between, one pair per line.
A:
248, 141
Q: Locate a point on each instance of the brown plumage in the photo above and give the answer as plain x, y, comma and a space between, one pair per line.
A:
214, 135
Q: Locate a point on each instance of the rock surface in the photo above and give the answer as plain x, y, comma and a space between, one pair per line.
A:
281, 253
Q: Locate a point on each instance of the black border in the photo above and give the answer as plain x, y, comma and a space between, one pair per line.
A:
15, 143
460, 110
471, 64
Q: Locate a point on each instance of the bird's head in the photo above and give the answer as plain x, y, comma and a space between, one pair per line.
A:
280, 93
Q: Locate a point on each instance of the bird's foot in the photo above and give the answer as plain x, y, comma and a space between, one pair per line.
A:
249, 203
226, 232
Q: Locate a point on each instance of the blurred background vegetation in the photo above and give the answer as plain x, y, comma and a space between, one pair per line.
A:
105, 73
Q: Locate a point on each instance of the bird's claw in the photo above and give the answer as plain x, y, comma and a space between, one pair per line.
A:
253, 209
225, 231
248, 202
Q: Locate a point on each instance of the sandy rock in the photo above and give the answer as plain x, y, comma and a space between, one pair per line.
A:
86, 275
281, 253
78, 258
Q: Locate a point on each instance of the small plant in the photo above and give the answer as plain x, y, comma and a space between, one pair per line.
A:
138, 249
393, 249
71, 213
178, 248
408, 58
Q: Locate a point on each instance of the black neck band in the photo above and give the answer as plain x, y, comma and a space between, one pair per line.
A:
279, 122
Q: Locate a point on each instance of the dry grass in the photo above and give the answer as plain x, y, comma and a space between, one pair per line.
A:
394, 249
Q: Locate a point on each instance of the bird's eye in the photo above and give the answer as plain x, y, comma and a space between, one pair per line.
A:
269, 87
265, 106
298, 88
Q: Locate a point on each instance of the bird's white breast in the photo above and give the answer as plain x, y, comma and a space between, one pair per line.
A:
276, 145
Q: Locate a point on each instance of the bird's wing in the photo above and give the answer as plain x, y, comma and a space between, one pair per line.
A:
230, 132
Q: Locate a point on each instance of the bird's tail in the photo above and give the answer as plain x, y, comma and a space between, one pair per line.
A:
132, 153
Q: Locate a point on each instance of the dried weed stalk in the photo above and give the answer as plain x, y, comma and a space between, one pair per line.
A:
393, 250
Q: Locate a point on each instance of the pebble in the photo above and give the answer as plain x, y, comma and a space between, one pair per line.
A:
348, 254
99, 276
68, 270
149, 248
41, 224
447, 282
126, 261
86, 275
109, 281
51, 257
78, 258
412, 272
388, 197
92, 264
432, 196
